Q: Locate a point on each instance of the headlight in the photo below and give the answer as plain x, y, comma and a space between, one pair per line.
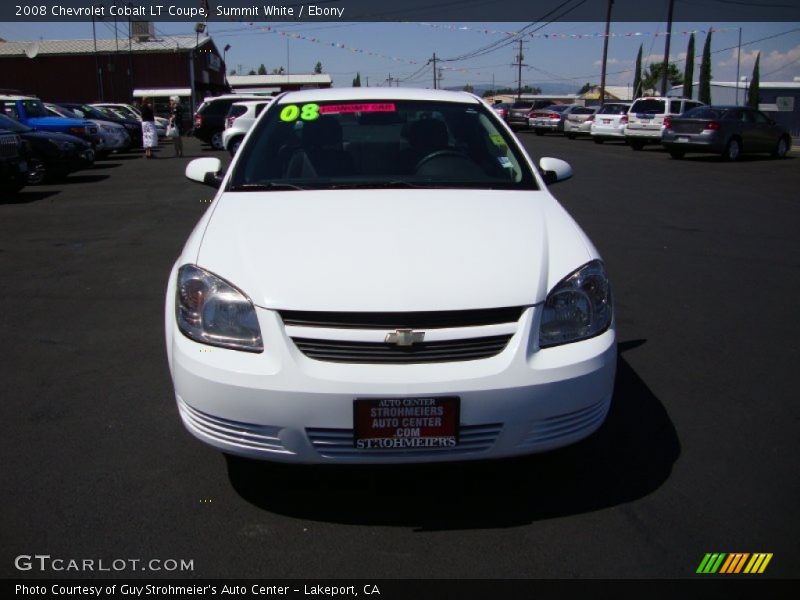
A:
211, 311
579, 307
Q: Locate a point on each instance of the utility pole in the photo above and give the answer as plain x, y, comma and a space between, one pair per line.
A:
738, 64
665, 70
519, 65
435, 86
605, 55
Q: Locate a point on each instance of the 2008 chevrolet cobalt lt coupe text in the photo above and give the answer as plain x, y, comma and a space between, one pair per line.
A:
383, 277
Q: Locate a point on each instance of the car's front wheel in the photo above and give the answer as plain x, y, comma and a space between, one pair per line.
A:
233, 147
37, 171
539, 131
781, 148
636, 144
216, 141
598, 140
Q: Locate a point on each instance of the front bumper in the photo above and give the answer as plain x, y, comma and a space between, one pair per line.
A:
283, 406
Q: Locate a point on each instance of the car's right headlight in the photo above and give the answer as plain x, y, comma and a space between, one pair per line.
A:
211, 311
578, 307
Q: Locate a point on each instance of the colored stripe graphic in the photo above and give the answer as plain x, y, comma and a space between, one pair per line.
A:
711, 562
758, 563
734, 563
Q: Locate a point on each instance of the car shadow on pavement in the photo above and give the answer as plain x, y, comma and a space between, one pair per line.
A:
26, 196
105, 165
713, 158
83, 179
629, 457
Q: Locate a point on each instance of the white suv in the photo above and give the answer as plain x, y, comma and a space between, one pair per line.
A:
646, 118
240, 119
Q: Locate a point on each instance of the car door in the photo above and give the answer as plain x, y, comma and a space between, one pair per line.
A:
765, 131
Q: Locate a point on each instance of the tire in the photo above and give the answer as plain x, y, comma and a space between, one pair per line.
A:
102, 155
636, 144
781, 148
233, 147
538, 131
37, 172
216, 141
733, 150
677, 154
570, 136
597, 140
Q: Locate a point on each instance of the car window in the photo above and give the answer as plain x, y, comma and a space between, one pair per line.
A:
759, 117
702, 113
10, 109
675, 106
381, 144
12, 125
260, 108
522, 105
559, 108
649, 106
236, 111
613, 109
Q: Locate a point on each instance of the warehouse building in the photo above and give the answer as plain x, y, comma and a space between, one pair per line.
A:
111, 70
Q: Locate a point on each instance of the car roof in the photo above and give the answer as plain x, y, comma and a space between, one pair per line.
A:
4, 97
253, 102
364, 93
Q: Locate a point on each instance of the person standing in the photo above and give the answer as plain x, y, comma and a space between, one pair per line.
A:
149, 133
176, 121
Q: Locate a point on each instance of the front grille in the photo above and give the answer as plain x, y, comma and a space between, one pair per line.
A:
338, 443
381, 353
9, 146
402, 320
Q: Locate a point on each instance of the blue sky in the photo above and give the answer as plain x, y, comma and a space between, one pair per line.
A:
401, 49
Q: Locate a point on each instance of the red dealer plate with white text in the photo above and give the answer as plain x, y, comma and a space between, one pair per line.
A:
405, 423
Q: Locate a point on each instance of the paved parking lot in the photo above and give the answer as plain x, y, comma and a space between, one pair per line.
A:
699, 453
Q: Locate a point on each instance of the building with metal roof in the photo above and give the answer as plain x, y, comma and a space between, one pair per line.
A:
111, 70
248, 84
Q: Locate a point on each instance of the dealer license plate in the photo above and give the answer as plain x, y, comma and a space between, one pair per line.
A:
683, 140
606, 121
403, 423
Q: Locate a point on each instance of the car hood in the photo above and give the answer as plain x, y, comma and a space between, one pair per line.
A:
44, 136
392, 250
57, 122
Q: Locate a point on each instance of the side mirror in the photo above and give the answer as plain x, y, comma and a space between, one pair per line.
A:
205, 171
554, 170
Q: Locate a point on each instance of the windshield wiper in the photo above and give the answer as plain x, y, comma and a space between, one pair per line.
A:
269, 186
376, 185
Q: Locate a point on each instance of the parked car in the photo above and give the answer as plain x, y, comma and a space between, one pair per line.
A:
112, 135
502, 108
31, 111
51, 155
240, 119
609, 122
131, 111
729, 131
209, 119
646, 118
550, 119
13, 166
520, 111
579, 121
133, 127
383, 276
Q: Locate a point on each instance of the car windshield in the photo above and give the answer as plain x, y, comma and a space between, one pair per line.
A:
12, 125
88, 112
376, 144
558, 107
522, 105
34, 108
651, 106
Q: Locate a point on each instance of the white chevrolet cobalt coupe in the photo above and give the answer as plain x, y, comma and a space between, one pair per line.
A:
383, 277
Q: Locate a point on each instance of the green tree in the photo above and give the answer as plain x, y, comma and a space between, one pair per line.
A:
233, 72
318, 67
637, 75
704, 87
469, 88
653, 75
586, 87
357, 80
688, 73
512, 92
278, 71
262, 70
752, 91
251, 72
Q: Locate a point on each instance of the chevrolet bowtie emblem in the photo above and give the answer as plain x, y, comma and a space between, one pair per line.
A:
404, 337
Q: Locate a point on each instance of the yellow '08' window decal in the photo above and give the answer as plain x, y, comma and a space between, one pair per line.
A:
291, 112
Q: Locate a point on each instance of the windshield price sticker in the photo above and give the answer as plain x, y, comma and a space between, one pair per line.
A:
331, 109
292, 112
403, 423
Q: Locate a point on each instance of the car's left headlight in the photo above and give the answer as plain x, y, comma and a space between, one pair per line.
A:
211, 311
578, 307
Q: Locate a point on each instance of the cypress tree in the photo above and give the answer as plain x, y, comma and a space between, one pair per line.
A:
357, 80
637, 76
704, 91
688, 74
752, 91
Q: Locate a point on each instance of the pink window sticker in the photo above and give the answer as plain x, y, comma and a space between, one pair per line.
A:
331, 109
